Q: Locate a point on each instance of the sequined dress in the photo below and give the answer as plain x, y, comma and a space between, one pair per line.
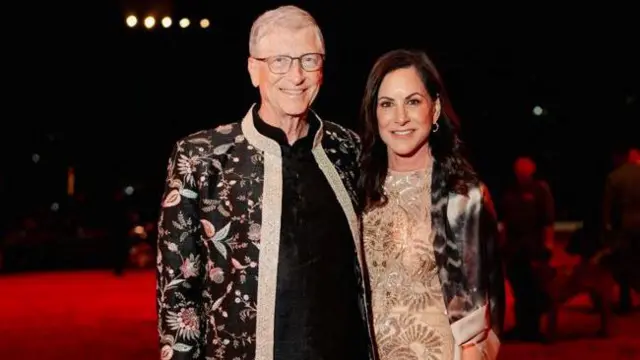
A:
410, 320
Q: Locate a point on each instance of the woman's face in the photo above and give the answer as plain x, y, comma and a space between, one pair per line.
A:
405, 112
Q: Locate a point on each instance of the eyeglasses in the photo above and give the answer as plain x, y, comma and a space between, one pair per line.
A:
280, 64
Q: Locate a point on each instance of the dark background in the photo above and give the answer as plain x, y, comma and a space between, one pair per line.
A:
84, 90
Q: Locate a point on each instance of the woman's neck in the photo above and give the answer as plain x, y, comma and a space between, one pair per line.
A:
419, 160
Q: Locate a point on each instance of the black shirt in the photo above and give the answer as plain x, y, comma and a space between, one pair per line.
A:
317, 314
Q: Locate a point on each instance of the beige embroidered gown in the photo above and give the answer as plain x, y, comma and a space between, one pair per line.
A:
410, 320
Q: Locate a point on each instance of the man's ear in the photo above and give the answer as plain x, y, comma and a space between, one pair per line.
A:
254, 71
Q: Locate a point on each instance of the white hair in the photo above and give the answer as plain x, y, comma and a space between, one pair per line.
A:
285, 17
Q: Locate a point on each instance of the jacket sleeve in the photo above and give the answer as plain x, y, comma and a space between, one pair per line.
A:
179, 268
477, 333
493, 266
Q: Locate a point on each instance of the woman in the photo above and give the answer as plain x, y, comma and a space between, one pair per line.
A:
429, 227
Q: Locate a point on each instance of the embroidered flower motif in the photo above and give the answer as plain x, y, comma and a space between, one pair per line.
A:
216, 275
224, 129
172, 199
187, 166
166, 353
185, 322
189, 267
209, 229
254, 232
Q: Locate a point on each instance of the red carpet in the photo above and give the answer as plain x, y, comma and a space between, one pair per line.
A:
94, 315
78, 315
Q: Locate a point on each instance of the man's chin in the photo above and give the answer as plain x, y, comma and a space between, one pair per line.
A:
297, 110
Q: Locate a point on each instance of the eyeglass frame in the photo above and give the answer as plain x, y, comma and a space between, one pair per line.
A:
291, 60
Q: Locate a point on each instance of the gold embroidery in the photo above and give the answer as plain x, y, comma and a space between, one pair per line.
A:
408, 307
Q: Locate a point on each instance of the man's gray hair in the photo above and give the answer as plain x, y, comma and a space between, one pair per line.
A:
285, 17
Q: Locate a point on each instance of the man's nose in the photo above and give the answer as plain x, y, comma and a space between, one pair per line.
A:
296, 73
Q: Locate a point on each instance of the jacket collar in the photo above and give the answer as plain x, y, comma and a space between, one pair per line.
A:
269, 145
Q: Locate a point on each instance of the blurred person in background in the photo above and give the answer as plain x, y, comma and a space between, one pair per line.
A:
621, 211
528, 218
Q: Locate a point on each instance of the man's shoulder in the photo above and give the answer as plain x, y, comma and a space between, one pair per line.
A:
212, 137
336, 132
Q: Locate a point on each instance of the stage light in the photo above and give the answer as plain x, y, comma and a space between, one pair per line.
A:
537, 111
204, 23
149, 22
166, 22
184, 22
132, 21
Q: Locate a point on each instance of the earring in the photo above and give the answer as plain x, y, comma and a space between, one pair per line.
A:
437, 126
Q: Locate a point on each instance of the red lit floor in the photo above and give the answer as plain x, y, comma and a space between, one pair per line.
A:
94, 315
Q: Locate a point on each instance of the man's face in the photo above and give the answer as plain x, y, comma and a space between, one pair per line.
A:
292, 92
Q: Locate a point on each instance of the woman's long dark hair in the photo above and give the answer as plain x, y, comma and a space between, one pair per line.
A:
451, 170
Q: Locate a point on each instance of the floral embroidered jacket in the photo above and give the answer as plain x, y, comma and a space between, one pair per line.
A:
219, 232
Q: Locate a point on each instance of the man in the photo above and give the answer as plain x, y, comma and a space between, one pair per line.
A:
528, 219
258, 234
622, 220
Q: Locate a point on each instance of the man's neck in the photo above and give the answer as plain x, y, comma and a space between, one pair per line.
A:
294, 127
